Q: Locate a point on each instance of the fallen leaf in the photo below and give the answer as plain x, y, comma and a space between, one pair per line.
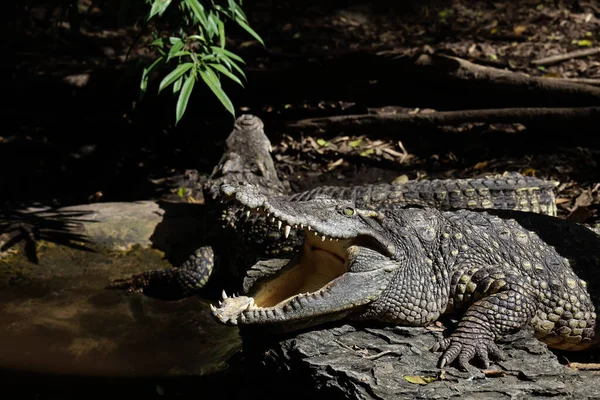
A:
322, 142
420, 380
481, 165
584, 43
493, 372
335, 164
392, 152
367, 152
400, 180
584, 199
519, 29
355, 143
528, 172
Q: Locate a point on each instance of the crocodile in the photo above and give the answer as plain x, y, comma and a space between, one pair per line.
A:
247, 159
503, 270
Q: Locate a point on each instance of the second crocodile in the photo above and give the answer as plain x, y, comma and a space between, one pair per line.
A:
236, 239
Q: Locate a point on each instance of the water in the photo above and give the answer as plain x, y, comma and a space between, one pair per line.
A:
56, 317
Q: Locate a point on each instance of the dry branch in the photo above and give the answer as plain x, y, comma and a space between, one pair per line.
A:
550, 116
584, 81
457, 68
567, 56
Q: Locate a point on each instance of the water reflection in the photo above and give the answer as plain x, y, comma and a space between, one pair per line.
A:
59, 318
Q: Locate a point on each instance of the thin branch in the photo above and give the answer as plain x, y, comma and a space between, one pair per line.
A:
550, 116
567, 56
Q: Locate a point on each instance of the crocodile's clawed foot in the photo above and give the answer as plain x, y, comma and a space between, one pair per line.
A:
231, 308
463, 350
135, 284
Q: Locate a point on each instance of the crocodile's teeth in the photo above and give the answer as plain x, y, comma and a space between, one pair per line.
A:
213, 308
309, 228
279, 223
331, 239
223, 294
287, 230
301, 226
220, 303
316, 233
247, 213
272, 219
323, 238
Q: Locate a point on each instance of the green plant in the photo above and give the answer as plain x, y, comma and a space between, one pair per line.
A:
197, 51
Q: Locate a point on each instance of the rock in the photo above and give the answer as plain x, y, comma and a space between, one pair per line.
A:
385, 362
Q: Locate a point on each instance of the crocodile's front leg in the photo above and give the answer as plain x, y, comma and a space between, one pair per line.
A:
501, 303
173, 283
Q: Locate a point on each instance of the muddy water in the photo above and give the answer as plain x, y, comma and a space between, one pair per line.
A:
57, 317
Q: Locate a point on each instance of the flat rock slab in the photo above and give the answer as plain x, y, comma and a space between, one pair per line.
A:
361, 362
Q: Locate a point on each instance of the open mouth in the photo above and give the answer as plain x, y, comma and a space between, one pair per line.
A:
321, 261
320, 279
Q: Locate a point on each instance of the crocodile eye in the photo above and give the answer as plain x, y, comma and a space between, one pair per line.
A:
349, 211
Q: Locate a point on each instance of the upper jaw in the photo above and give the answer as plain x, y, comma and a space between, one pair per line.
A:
319, 217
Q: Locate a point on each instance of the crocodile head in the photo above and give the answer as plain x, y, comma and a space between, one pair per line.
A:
346, 261
247, 158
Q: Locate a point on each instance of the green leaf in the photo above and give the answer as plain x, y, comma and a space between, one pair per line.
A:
322, 142
198, 10
177, 85
144, 82
157, 42
174, 75
211, 80
236, 9
181, 192
225, 72
420, 380
178, 45
181, 54
227, 54
251, 31
584, 43
212, 28
184, 96
237, 68
367, 152
159, 7
355, 143
222, 39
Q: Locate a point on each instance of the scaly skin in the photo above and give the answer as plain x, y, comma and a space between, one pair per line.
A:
509, 191
247, 160
502, 269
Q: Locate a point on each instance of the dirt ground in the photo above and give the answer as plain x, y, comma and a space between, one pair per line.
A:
76, 131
